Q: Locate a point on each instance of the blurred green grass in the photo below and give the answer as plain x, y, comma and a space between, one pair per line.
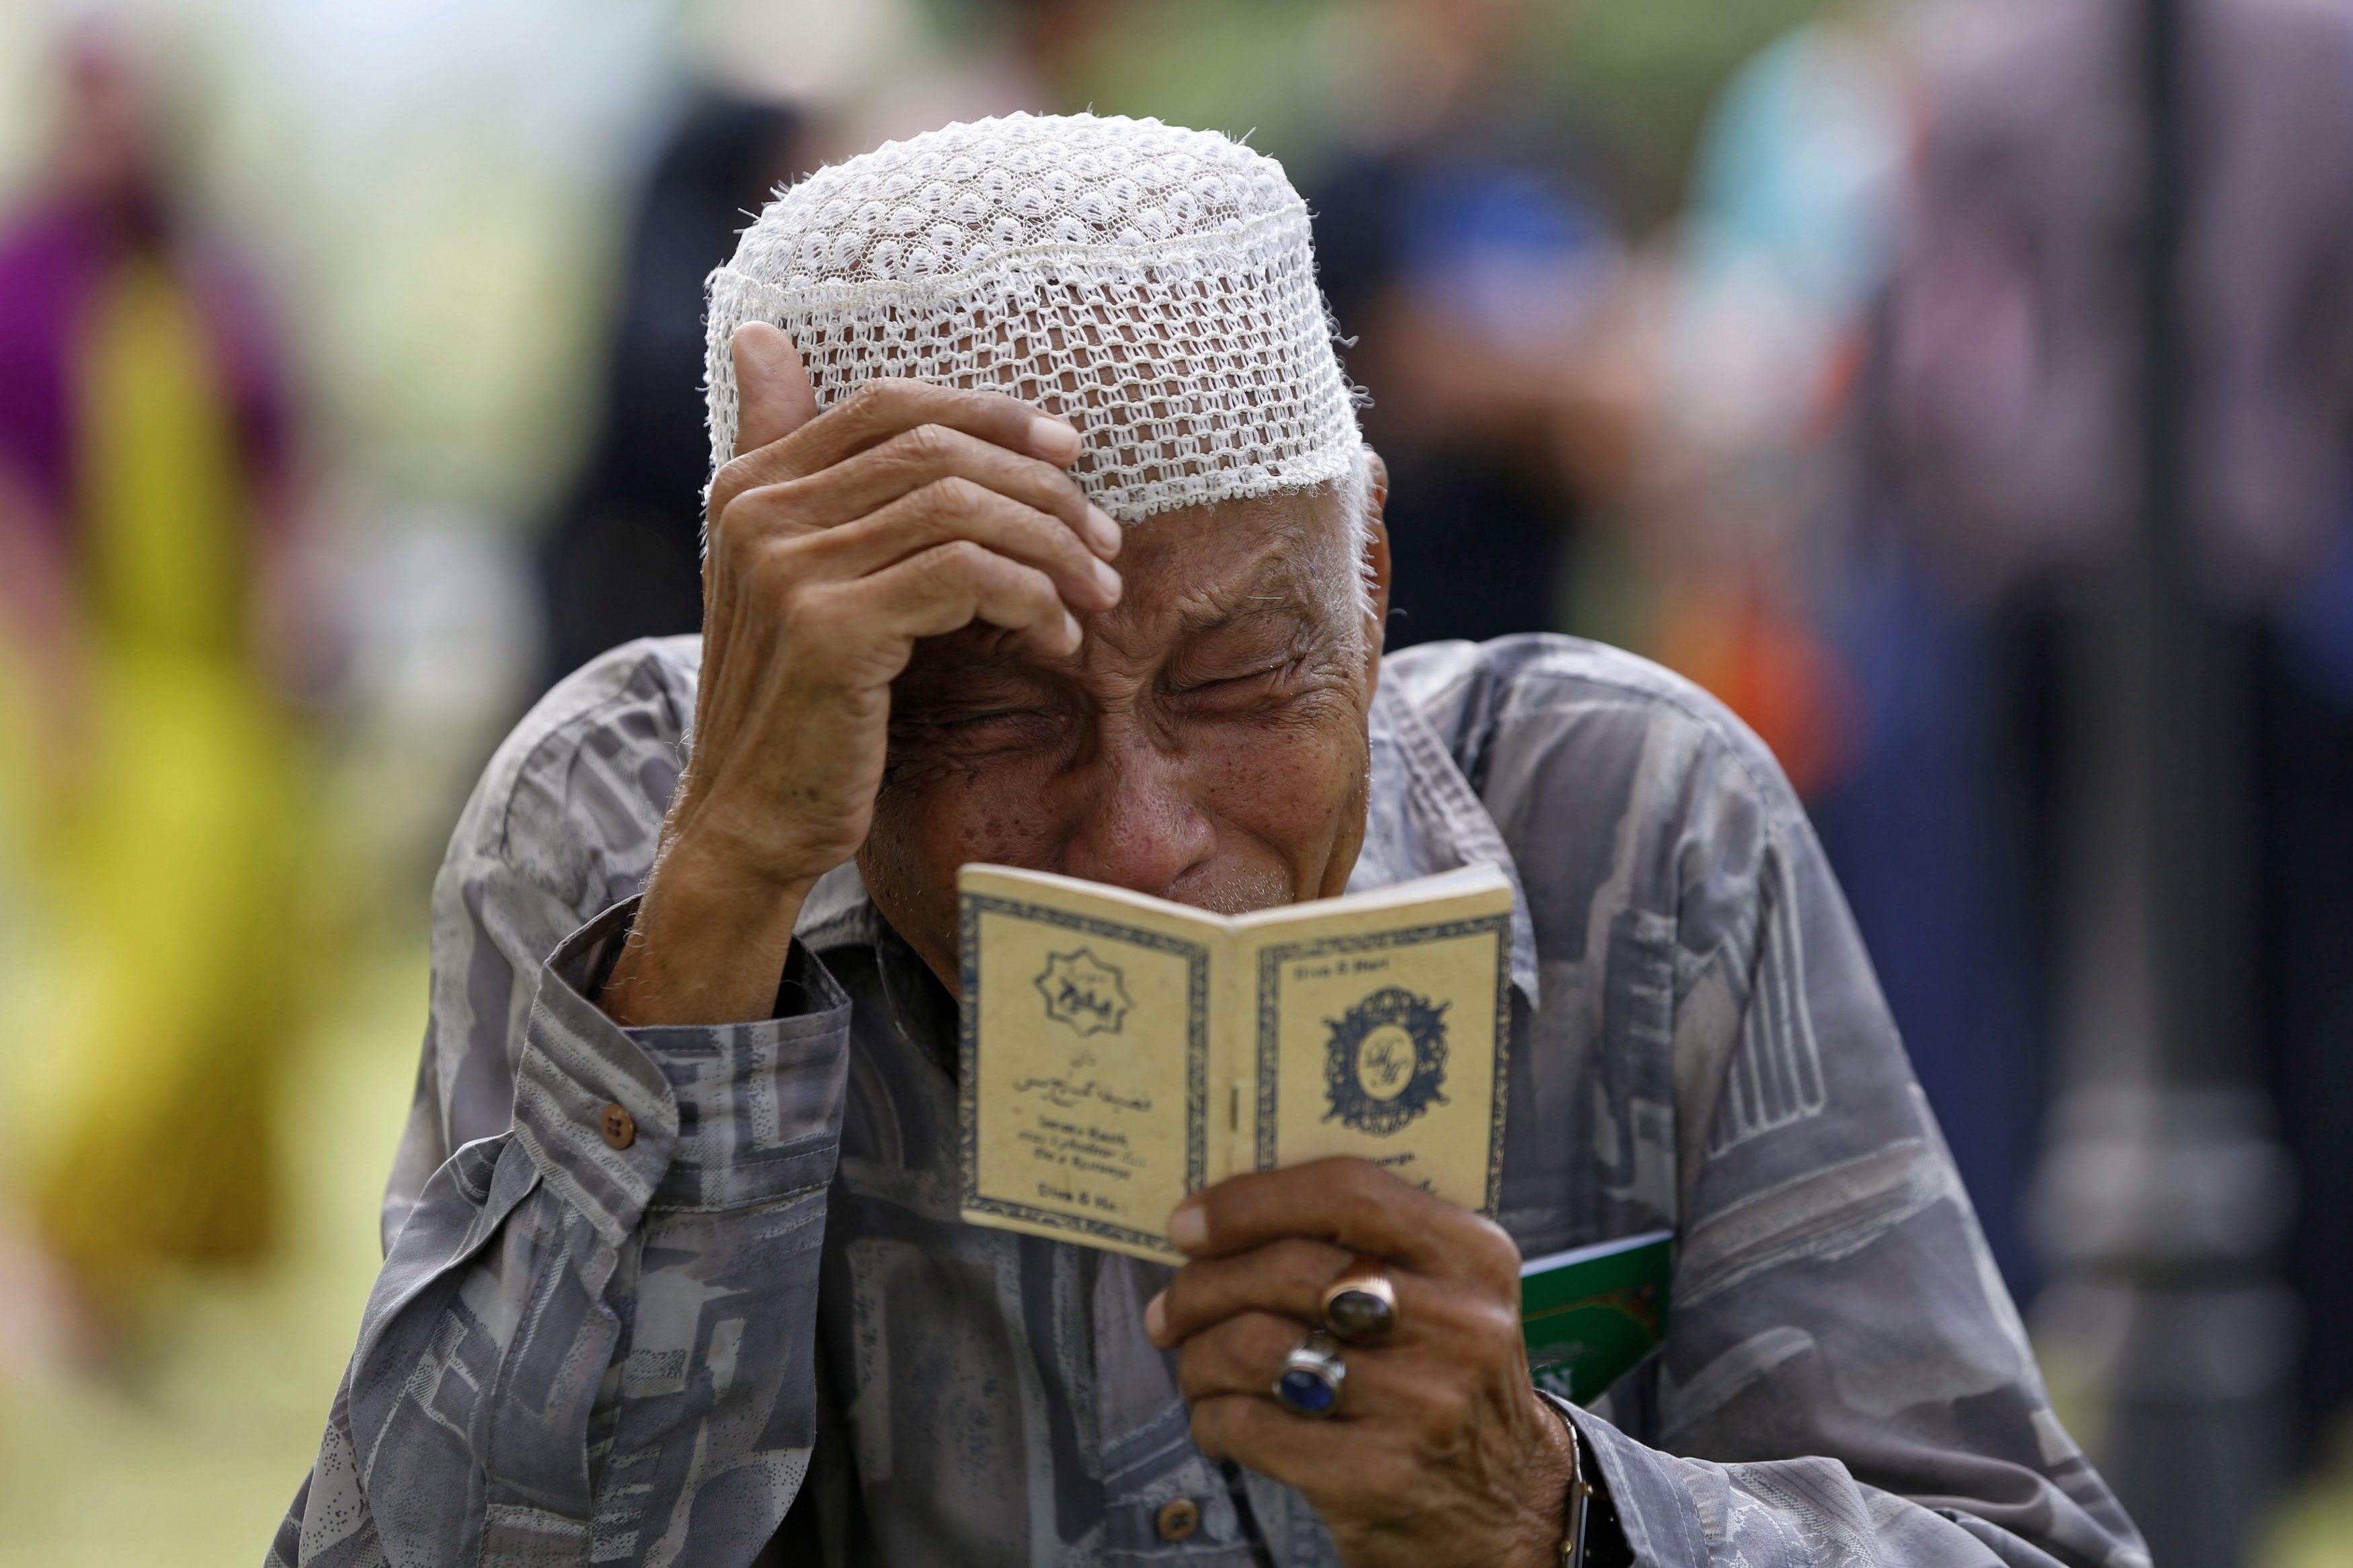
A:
2313, 1526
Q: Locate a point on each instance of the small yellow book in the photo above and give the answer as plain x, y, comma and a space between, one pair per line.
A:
1121, 1051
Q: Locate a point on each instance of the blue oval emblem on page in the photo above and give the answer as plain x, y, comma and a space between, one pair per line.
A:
1386, 1061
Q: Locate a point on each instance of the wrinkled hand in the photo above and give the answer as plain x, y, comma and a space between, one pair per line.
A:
1441, 1451
837, 540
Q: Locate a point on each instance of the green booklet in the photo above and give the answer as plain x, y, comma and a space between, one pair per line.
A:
1590, 1314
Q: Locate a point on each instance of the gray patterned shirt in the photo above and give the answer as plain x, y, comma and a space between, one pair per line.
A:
759, 1331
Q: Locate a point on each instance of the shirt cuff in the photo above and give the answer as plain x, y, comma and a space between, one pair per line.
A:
713, 1117
1655, 1511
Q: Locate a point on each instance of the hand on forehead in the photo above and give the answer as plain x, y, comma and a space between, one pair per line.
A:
1206, 742
1209, 592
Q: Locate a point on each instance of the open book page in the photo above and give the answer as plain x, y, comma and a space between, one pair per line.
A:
1121, 1051
1087, 1116
1379, 1028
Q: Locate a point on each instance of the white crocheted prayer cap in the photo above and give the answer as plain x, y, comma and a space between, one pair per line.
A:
1154, 284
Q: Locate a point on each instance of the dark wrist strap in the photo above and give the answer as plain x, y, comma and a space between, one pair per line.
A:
1580, 1514
1590, 1535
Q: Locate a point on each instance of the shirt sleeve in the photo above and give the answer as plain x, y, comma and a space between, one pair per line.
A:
1844, 1379
553, 1364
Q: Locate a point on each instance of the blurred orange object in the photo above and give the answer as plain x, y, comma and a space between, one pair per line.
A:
1763, 661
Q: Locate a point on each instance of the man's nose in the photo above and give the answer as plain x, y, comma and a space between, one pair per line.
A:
1139, 828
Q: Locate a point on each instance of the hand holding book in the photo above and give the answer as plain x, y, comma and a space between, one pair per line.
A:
1440, 1450
1272, 1101
1122, 1053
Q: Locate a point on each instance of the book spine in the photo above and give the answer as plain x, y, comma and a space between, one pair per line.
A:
1230, 1034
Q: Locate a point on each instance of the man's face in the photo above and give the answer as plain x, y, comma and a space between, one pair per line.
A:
1205, 744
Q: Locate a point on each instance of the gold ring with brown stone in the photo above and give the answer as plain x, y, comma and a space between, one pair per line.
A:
1360, 1307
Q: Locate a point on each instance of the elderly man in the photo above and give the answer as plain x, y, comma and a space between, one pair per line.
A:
675, 1270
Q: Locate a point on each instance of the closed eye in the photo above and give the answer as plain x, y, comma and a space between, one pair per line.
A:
982, 730
1271, 680
1272, 670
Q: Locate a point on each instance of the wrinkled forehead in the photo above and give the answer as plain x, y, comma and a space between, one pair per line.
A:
1293, 552
1282, 569
1155, 286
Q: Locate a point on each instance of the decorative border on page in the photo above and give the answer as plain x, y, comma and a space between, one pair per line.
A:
971, 907
1270, 1011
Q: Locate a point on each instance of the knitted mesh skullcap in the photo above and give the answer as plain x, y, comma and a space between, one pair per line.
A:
1153, 284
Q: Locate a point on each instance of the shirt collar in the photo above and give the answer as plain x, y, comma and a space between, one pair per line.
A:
1423, 818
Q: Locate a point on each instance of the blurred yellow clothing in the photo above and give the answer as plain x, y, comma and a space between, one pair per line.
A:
173, 866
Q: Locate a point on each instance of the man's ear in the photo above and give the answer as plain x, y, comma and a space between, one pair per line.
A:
1375, 562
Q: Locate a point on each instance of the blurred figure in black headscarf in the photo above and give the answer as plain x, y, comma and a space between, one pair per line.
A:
624, 557
1464, 243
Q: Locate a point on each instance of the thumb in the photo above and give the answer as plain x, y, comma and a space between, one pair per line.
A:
771, 391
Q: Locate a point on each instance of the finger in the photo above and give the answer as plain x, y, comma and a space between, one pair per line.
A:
957, 508
949, 586
1327, 1460
1450, 1322
873, 412
1254, 1430
771, 389
908, 461
1289, 1278
1286, 1277
1352, 1204
1245, 1354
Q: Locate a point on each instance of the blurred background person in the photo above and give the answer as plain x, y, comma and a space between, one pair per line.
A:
624, 557
1772, 271
1896, 507
146, 476
1465, 240
2017, 470
1783, 589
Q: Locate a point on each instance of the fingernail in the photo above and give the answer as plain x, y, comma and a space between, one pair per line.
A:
1103, 531
1188, 1231
1070, 632
1156, 1317
1108, 581
1053, 439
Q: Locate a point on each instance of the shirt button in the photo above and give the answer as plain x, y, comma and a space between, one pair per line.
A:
1178, 1520
619, 1127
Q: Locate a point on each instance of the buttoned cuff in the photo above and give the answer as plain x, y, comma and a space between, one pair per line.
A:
722, 1116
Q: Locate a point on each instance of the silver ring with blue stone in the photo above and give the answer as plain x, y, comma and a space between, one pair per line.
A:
1312, 1376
